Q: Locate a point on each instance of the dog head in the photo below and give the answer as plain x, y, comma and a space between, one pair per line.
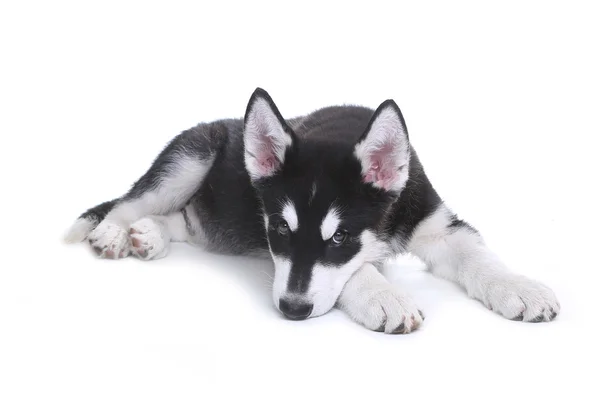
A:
323, 201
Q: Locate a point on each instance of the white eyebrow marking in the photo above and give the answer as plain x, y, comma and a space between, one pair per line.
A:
290, 215
330, 223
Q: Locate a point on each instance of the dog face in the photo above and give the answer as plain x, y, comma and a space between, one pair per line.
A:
322, 202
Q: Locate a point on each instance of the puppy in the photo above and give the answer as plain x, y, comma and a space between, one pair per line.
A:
330, 196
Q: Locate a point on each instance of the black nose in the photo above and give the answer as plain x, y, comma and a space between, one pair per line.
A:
294, 310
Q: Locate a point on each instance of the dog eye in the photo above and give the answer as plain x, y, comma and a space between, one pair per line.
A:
283, 228
339, 237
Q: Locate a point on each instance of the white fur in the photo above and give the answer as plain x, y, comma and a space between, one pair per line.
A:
153, 234
111, 238
289, 214
369, 299
327, 281
326, 284
330, 223
283, 267
264, 139
384, 154
460, 255
175, 189
152, 237
176, 225
79, 230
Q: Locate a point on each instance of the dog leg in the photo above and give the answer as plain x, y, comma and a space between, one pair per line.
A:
454, 250
151, 236
369, 299
166, 187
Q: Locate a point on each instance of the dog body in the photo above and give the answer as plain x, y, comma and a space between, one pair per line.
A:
330, 196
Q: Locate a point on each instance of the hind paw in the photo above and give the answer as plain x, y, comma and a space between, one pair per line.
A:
109, 240
149, 240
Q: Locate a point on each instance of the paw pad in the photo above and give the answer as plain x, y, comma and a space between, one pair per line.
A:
148, 239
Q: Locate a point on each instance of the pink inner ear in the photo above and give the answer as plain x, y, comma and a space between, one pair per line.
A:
267, 165
266, 158
382, 171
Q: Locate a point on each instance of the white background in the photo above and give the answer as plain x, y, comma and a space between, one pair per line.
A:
501, 101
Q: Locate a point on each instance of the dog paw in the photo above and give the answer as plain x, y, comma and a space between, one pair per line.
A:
109, 240
148, 239
521, 299
385, 310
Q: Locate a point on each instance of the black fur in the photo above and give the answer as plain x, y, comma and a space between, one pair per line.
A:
416, 202
457, 223
99, 212
230, 205
188, 224
233, 197
201, 141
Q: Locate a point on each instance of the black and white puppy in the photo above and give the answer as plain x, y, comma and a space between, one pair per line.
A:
330, 195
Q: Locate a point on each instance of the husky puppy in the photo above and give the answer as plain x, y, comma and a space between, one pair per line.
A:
330, 195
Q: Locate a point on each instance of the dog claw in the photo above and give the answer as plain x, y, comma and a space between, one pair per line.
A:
539, 318
518, 317
399, 329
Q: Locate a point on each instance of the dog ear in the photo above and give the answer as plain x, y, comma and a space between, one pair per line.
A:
384, 150
266, 136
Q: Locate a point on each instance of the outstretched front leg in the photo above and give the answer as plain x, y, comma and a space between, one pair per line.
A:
454, 250
369, 299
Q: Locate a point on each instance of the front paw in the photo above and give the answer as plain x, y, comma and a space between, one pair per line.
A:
521, 299
384, 309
